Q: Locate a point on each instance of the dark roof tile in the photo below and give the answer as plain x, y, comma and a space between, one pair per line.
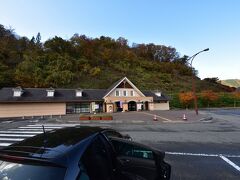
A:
60, 95
63, 95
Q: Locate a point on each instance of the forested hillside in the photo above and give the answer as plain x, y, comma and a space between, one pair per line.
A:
88, 62
231, 82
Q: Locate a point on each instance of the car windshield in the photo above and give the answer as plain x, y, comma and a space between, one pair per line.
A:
14, 171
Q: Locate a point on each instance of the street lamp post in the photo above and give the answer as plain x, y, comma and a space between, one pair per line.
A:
193, 82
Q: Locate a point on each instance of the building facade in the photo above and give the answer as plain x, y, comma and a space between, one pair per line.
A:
122, 96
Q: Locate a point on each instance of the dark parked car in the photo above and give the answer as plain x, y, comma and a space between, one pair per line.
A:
82, 153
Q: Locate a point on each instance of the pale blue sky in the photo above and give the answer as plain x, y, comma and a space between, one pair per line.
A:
187, 25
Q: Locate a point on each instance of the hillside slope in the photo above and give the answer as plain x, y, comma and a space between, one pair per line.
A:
231, 82
84, 62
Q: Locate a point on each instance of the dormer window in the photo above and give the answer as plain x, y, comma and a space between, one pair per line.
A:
50, 92
17, 92
79, 92
158, 93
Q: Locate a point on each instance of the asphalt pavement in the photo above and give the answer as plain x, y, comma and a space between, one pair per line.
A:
196, 149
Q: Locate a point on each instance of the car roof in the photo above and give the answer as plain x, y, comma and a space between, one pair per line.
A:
52, 144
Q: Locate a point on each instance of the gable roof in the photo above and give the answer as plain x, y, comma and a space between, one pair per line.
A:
63, 95
114, 86
69, 95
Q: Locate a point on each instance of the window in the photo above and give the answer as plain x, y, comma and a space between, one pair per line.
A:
110, 133
117, 93
132, 93
127, 149
50, 93
97, 161
124, 93
158, 94
82, 108
78, 108
79, 93
17, 93
83, 173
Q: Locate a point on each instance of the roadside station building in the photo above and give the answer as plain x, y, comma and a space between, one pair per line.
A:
121, 96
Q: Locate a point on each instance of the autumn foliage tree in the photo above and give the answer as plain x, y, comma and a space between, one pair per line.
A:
186, 98
236, 97
209, 96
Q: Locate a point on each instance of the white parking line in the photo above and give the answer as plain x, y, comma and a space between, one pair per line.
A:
192, 154
11, 136
5, 144
47, 127
157, 116
11, 139
6, 121
223, 157
230, 162
24, 132
137, 121
16, 135
202, 154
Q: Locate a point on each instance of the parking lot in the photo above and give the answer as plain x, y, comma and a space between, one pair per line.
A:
196, 149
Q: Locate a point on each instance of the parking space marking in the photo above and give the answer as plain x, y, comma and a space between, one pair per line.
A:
16, 135
45, 127
22, 132
230, 162
202, 154
52, 125
137, 121
11, 139
192, 154
157, 116
109, 122
5, 144
6, 121
10, 136
223, 157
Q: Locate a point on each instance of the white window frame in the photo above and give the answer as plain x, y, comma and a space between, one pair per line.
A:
17, 93
79, 93
132, 93
50, 93
125, 91
118, 93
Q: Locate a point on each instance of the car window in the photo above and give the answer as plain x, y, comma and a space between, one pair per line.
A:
127, 149
14, 171
110, 133
83, 173
97, 161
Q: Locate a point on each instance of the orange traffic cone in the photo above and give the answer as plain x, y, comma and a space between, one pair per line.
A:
184, 117
155, 117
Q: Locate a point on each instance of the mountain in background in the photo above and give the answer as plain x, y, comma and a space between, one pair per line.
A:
231, 82
85, 62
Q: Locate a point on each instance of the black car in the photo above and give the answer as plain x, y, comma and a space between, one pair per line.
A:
82, 153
